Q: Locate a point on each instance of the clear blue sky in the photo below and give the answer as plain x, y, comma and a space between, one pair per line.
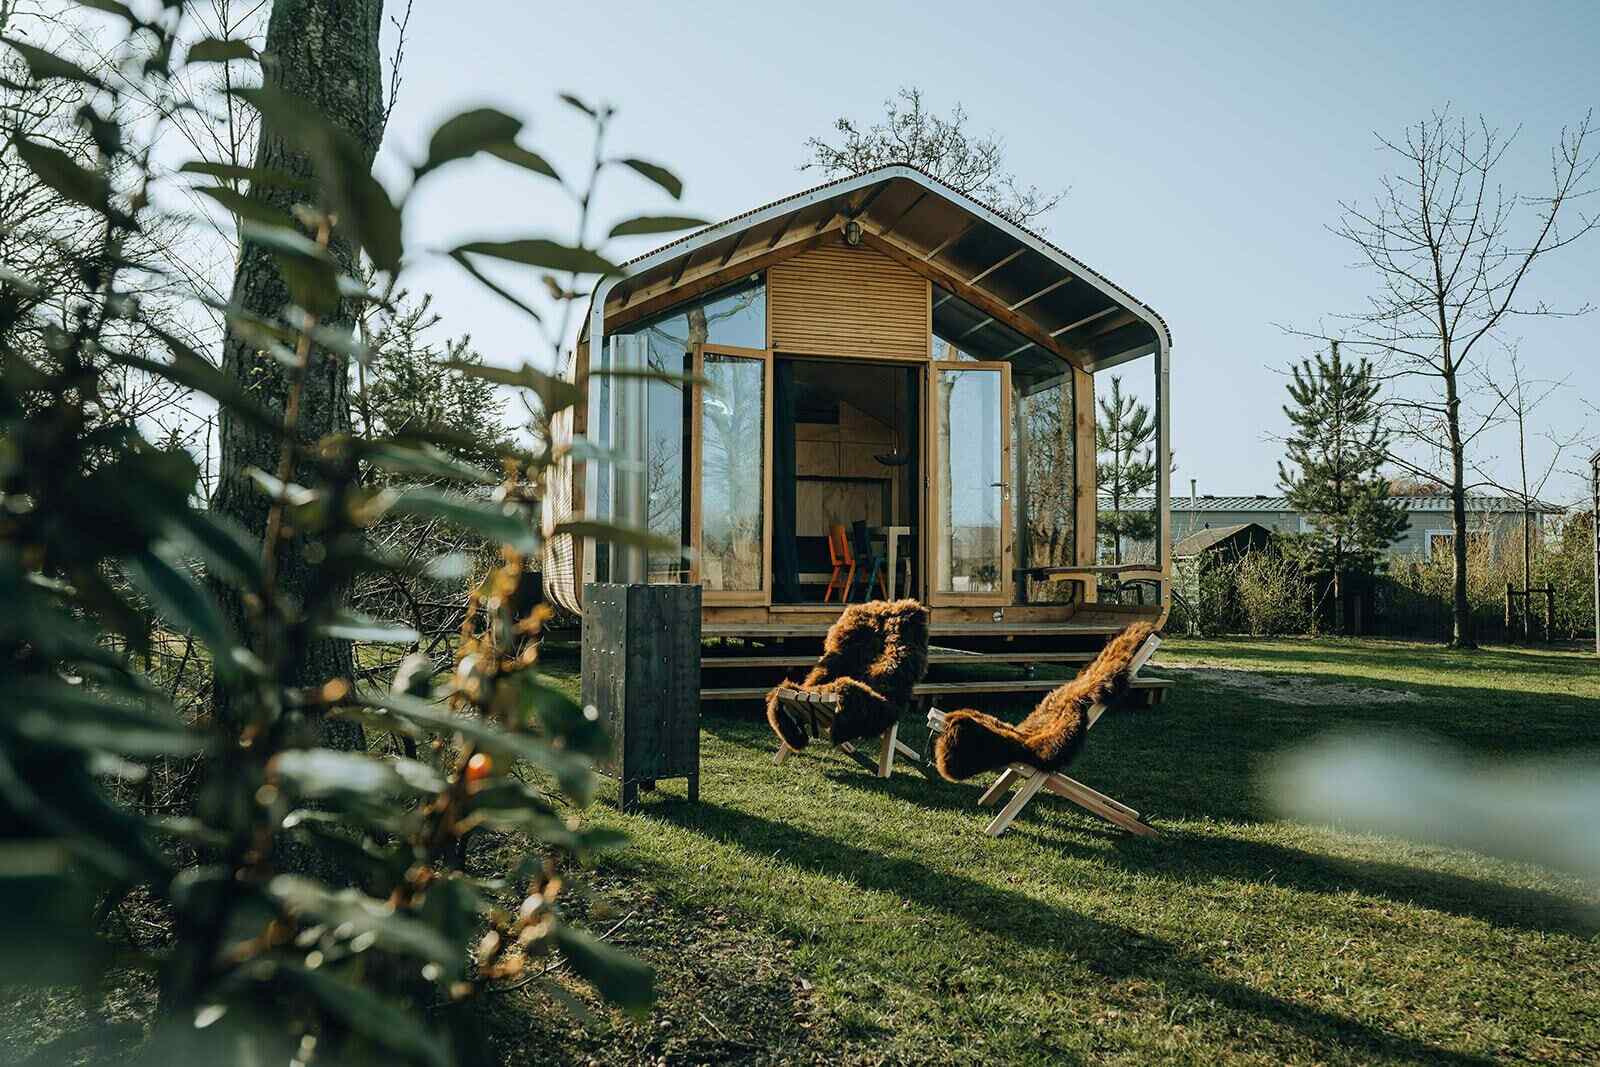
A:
1206, 147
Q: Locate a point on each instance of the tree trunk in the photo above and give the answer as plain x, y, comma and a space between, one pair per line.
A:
1461, 609
326, 53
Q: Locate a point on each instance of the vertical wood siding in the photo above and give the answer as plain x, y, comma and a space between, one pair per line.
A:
842, 301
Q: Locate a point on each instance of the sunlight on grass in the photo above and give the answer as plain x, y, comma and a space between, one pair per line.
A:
1233, 937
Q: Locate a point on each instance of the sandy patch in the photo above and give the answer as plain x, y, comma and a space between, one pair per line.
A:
1299, 689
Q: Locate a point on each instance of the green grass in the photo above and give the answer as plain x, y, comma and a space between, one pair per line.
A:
814, 913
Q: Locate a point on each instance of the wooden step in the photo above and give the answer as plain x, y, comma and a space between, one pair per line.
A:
819, 628
1155, 688
947, 656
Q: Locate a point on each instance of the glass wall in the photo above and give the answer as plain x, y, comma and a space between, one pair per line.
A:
1127, 439
1046, 480
735, 316
969, 446
733, 474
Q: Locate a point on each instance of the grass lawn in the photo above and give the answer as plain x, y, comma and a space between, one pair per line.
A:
812, 913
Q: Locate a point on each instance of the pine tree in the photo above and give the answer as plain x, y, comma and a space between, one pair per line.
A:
1126, 467
1332, 479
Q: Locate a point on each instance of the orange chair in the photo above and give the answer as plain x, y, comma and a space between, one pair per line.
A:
844, 564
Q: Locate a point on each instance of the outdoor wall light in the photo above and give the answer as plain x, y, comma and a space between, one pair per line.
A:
852, 233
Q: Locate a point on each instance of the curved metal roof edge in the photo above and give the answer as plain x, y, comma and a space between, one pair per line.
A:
755, 216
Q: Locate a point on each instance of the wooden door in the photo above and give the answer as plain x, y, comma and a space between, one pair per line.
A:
969, 498
731, 509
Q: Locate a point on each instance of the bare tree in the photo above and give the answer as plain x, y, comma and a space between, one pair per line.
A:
1522, 396
1451, 252
943, 146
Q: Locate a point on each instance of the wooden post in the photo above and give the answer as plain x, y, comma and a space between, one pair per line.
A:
641, 673
1083, 456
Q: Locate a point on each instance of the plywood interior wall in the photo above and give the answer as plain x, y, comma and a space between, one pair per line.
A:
843, 301
840, 481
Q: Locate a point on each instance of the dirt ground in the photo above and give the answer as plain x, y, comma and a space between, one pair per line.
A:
1301, 690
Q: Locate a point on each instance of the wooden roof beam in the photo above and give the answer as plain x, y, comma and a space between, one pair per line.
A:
981, 275
1052, 287
898, 219
1084, 321
985, 302
738, 239
952, 239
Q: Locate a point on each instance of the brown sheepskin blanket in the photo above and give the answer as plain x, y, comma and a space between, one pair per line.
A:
1053, 733
873, 656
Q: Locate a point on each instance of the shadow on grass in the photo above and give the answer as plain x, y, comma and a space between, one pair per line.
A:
1381, 654
1112, 951
1169, 764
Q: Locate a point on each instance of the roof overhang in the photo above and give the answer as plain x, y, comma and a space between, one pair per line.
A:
1032, 297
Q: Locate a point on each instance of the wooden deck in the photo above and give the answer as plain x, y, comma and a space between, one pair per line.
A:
1153, 688
819, 628
938, 656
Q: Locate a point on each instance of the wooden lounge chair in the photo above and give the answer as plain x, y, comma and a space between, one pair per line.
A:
1031, 755
872, 659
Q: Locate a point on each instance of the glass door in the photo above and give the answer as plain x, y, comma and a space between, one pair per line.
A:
970, 498
732, 510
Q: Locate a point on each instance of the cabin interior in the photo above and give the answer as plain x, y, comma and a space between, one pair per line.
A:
878, 377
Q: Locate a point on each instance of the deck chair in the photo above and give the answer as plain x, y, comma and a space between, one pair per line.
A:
1031, 755
872, 659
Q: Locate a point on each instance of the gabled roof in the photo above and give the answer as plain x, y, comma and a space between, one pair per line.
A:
1027, 291
1201, 540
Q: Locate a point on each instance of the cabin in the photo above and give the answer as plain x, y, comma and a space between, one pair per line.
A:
879, 369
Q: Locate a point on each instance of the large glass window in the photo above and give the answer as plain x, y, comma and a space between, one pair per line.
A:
1046, 479
969, 433
733, 473
736, 316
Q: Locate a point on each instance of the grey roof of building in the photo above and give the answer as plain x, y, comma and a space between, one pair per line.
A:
1201, 540
1476, 502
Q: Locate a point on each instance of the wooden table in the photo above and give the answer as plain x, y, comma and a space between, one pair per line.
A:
892, 534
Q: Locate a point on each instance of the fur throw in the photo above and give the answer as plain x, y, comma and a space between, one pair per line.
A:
873, 657
1053, 733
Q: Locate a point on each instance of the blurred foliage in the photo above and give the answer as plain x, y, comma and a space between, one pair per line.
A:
105, 559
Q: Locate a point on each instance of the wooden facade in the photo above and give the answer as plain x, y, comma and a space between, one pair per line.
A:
855, 276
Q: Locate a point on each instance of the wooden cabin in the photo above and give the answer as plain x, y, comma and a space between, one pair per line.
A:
881, 351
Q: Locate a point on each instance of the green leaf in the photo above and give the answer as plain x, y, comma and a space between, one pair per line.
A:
320, 773
202, 377
111, 7
219, 50
254, 175
554, 393
180, 600
353, 626
611, 533
307, 268
355, 913
386, 1022
541, 252
573, 772
572, 101
579, 728
521, 157
480, 130
619, 977
495, 287
58, 170
287, 240
658, 174
503, 524
228, 551
643, 224
246, 207
50, 712
43, 65
423, 459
